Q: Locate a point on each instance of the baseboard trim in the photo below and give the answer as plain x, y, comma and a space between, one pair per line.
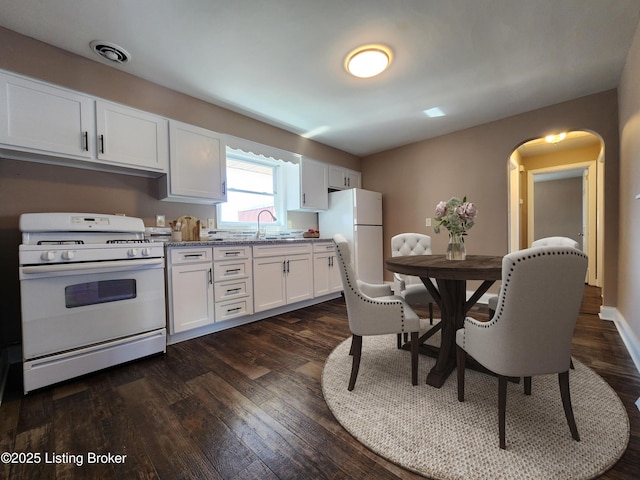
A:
628, 336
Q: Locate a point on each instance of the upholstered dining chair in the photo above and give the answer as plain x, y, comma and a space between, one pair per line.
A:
531, 332
411, 288
373, 310
492, 302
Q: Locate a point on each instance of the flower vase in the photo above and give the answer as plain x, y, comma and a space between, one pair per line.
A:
455, 247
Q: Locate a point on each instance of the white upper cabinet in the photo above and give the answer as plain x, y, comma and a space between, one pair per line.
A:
197, 167
308, 186
131, 138
342, 178
46, 120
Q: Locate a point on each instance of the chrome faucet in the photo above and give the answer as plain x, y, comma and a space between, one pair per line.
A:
260, 213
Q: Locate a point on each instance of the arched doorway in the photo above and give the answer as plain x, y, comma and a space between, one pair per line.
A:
556, 188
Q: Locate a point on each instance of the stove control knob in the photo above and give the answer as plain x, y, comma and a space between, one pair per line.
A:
146, 252
68, 255
48, 256
133, 252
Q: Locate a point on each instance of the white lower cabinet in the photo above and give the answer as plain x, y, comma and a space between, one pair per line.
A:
214, 287
282, 274
326, 271
190, 276
232, 276
208, 285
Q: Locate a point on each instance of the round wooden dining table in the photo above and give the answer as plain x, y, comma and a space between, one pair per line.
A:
450, 294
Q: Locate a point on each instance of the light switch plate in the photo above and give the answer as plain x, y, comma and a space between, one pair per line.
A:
427, 222
211, 223
160, 220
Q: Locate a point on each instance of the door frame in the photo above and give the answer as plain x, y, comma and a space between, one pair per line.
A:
589, 199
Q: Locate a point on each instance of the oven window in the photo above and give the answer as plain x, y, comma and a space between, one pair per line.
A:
103, 291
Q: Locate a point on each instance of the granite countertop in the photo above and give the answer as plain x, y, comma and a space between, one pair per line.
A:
242, 241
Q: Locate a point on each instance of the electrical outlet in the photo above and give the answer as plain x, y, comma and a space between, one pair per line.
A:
160, 220
211, 223
427, 222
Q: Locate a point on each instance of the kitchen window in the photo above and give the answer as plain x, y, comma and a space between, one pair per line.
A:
253, 184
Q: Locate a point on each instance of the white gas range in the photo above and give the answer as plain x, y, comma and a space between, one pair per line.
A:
92, 294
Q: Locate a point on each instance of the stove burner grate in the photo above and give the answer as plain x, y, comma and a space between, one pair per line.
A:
142, 240
60, 242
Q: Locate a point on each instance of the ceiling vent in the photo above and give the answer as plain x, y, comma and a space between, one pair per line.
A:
110, 51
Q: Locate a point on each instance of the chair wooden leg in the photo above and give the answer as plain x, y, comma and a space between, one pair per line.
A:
461, 357
356, 347
502, 409
527, 385
414, 357
563, 379
431, 314
399, 341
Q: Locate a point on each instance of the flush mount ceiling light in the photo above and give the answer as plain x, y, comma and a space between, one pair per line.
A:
555, 138
110, 51
368, 61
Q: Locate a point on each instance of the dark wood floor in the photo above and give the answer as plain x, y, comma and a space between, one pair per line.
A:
245, 403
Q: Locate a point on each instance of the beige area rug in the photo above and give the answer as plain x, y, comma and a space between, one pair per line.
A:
426, 430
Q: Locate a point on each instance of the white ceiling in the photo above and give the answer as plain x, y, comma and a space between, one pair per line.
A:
281, 61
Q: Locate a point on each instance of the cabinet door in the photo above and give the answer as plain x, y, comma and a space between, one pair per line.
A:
299, 278
197, 167
337, 178
326, 275
132, 138
269, 283
192, 296
352, 179
321, 274
314, 186
335, 279
44, 119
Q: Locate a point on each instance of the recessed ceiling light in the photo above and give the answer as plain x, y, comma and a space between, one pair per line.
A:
555, 138
368, 61
434, 112
110, 51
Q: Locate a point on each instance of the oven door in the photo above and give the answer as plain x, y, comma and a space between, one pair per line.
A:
69, 306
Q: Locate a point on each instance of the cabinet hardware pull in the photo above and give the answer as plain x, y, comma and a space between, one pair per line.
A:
284, 267
211, 276
304, 198
234, 254
101, 143
224, 187
193, 255
233, 290
86, 141
232, 270
233, 309
287, 266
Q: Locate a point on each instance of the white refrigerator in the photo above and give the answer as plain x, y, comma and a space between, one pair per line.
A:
357, 214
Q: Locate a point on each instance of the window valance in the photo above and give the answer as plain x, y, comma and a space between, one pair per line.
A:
261, 149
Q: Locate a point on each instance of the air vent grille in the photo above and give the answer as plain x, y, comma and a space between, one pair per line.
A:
110, 51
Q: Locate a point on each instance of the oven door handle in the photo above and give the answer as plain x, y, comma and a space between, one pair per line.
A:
119, 266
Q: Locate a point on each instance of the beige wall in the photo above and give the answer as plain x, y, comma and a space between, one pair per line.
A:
628, 274
473, 162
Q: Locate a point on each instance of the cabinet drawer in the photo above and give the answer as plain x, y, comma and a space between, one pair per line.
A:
229, 270
321, 247
225, 253
237, 308
189, 255
279, 249
229, 290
